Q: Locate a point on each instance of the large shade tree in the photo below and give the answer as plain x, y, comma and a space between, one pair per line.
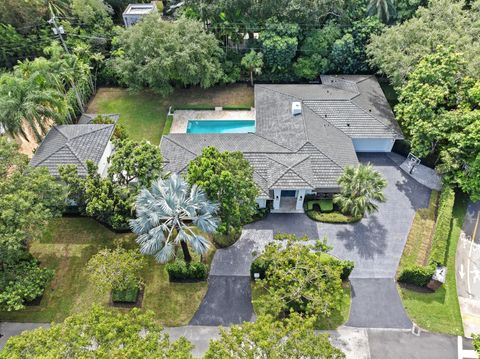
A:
227, 178
160, 54
292, 338
438, 109
167, 215
99, 333
400, 48
361, 189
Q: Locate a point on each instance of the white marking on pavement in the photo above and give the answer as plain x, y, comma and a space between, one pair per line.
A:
470, 253
464, 353
461, 272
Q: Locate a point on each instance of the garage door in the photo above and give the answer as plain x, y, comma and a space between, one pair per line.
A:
373, 144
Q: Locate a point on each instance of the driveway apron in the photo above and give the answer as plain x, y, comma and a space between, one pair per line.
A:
229, 298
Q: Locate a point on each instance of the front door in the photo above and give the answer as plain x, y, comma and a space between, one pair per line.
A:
288, 193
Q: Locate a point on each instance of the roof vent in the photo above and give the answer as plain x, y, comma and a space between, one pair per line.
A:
296, 108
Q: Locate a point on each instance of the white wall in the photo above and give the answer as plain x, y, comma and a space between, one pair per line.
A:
373, 144
103, 163
262, 203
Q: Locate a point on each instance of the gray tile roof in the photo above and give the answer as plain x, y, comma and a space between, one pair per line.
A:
309, 150
88, 118
72, 144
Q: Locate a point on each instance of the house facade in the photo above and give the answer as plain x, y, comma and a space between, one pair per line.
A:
305, 135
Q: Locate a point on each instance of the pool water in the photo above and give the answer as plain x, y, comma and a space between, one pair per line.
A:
220, 126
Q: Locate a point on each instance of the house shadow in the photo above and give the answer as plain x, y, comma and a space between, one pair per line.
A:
367, 238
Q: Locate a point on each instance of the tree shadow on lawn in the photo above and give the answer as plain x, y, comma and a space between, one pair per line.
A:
367, 238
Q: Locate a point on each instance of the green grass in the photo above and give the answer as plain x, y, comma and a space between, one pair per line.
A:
420, 236
68, 244
440, 311
144, 114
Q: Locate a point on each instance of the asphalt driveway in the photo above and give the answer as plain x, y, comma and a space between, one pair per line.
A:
375, 244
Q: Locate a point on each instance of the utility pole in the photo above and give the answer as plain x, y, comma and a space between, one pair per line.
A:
58, 30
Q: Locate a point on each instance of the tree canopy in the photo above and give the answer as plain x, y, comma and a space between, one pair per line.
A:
102, 333
227, 178
400, 48
292, 338
159, 54
438, 108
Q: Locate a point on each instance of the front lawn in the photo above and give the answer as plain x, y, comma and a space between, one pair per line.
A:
67, 246
440, 311
144, 114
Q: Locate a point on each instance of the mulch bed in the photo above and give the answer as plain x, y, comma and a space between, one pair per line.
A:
34, 302
415, 288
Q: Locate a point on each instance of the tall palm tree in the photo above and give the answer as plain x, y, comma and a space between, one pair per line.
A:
29, 101
384, 9
362, 187
167, 215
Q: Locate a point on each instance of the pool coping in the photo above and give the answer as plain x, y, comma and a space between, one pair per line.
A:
181, 117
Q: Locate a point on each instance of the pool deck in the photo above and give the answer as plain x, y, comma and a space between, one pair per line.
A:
181, 117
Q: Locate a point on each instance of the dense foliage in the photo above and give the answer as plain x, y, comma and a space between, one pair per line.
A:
361, 189
29, 198
298, 280
180, 271
444, 22
116, 269
135, 162
100, 333
173, 213
160, 54
292, 338
438, 109
227, 178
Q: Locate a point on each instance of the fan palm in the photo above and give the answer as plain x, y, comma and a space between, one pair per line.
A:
28, 101
167, 215
362, 187
384, 9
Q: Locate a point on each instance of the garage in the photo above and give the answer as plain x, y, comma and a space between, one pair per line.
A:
373, 144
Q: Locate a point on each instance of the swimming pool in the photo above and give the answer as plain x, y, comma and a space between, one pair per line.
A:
220, 126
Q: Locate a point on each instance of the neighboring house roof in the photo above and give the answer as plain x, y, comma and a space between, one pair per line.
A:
72, 144
308, 150
87, 118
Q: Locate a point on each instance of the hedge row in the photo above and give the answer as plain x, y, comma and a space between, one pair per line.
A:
180, 271
237, 108
438, 252
417, 275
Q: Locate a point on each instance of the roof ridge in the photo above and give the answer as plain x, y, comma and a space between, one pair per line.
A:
76, 155
167, 137
290, 168
323, 153
104, 126
271, 141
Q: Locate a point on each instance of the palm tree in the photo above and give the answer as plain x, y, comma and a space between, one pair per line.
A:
253, 62
362, 186
167, 215
384, 9
29, 101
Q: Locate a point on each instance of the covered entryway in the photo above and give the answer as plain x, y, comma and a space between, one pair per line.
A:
288, 200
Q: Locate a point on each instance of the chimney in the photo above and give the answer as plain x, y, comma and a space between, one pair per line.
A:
296, 108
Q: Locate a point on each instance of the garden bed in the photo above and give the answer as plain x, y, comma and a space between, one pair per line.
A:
129, 298
331, 217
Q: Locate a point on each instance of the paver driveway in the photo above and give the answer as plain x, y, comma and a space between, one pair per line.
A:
375, 244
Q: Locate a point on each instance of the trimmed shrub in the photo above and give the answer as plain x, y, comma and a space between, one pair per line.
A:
259, 265
417, 275
193, 107
326, 205
179, 271
332, 217
237, 108
438, 252
125, 296
290, 237
347, 267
